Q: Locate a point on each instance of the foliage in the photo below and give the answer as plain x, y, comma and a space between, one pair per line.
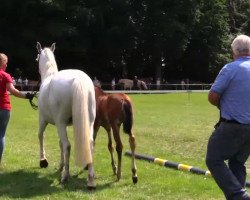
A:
120, 38
239, 12
209, 46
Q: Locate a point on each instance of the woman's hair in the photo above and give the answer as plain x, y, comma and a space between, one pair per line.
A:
3, 59
241, 45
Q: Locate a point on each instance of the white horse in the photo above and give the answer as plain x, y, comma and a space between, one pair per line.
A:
66, 97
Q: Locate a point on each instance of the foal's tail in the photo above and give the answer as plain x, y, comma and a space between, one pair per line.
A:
83, 114
128, 116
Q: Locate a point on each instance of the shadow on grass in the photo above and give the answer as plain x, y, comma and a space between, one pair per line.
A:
79, 182
25, 184
28, 184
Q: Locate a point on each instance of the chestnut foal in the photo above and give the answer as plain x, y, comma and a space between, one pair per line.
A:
112, 110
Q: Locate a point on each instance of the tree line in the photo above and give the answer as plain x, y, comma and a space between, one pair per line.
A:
166, 39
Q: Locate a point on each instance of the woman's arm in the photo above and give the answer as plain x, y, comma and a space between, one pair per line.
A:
11, 88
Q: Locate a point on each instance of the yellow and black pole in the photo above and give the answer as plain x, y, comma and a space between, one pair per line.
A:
174, 165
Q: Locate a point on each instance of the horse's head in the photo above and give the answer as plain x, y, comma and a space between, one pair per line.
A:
46, 59
99, 91
39, 47
120, 81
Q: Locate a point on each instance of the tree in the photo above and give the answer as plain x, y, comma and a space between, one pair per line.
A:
208, 49
239, 12
161, 31
164, 38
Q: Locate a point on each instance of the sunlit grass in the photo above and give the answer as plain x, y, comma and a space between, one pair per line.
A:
174, 127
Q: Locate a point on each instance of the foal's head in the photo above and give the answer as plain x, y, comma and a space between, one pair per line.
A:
99, 92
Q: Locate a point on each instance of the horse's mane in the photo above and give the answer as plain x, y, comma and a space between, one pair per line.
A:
48, 63
51, 58
99, 91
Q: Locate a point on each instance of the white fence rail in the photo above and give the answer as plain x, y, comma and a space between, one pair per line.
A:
152, 88
204, 86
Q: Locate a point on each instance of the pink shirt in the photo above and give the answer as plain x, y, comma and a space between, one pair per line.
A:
4, 96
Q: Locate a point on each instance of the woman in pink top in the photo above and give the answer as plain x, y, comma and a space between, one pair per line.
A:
6, 84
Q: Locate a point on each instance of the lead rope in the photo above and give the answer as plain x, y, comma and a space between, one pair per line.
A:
33, 105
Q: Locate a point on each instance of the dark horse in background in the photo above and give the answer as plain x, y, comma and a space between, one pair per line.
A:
112, 110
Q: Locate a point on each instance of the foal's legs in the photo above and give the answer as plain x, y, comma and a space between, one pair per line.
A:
111, 149
119, 147
43, 159
132, 146
96, 129
110, 145
65, 151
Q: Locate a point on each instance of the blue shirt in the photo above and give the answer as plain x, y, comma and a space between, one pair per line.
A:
233, 86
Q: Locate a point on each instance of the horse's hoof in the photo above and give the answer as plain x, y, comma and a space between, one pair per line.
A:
135, 179
91, 187
44, 163
64, 180
119, 175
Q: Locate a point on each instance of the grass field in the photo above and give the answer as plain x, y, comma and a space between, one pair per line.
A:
174, 127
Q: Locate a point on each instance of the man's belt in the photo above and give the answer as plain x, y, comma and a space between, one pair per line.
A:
230, 121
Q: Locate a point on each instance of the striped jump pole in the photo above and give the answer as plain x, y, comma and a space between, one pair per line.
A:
174, 165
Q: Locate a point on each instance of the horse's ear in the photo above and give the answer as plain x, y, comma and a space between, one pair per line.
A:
53, 47
38, 47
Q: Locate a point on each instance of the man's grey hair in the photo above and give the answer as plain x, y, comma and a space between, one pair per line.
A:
241, 45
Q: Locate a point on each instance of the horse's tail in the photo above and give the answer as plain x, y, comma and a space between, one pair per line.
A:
128, 116
82, 115
144, 85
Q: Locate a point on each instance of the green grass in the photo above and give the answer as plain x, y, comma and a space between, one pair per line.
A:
174, 127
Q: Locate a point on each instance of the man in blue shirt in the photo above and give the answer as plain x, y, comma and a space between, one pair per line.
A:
231, 139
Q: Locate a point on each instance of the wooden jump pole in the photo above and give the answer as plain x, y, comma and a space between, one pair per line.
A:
174, 165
